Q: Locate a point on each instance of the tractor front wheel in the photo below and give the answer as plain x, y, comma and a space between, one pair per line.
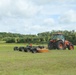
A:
71, 47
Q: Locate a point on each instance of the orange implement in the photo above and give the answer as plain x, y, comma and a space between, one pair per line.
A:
42, 50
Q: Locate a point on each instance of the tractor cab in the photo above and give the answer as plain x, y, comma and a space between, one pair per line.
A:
58, 36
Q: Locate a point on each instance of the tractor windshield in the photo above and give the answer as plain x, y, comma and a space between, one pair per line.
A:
58, 37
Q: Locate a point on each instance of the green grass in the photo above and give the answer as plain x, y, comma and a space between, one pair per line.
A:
55, 62
2, 41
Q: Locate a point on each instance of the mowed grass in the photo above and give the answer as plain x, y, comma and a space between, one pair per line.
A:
55, 62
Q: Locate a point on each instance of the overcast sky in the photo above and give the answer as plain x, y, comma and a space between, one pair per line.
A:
35, 16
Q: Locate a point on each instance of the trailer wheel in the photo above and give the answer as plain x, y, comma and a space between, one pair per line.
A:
25, 50
21, 48
34, 51
15, 48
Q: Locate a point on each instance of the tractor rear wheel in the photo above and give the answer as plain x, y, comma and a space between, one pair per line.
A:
60, 45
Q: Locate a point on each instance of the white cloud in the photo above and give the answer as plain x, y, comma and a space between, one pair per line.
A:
49, 21
4, 3
68, 17
33, 16
26, 8
18, 8
4, 7
44, 2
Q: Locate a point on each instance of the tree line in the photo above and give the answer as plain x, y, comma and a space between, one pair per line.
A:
42, 38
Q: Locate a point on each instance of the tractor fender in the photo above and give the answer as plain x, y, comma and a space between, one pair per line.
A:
69, 45
67, 42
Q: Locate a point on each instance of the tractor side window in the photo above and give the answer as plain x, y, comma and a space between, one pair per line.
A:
62, 37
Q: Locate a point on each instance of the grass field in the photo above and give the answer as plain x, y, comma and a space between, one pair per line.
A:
55, 62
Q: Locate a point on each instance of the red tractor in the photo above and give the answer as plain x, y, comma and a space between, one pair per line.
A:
58, 42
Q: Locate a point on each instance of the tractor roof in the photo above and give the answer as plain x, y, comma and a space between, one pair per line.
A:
58, 33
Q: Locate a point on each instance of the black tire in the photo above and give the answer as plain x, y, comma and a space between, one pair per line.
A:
50, 45
15, 48
34, 51
70, 47
26, 49
60, 45
21, 48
